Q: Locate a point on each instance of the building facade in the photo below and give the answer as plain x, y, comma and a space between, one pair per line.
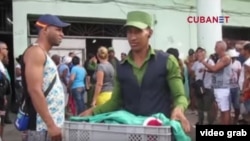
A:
171, 27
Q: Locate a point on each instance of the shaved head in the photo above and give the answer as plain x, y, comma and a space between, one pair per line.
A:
56, 58
222, 45
220, 48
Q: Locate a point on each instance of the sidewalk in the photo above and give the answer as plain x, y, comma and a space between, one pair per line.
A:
10, 132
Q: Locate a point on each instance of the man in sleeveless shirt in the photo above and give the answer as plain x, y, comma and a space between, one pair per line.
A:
221, 80
146, 81
38, 71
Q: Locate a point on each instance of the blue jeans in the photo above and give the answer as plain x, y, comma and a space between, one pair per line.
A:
77, 94
235, 97
247, 105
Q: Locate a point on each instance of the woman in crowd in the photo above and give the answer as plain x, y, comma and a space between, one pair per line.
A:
184, 70
189, 63
103, 77
77, 84
175, 53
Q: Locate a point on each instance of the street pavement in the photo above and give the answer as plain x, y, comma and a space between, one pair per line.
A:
11, 134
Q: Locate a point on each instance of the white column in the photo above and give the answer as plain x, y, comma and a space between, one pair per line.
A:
209, 33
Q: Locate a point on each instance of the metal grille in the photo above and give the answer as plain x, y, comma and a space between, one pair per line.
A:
88, 29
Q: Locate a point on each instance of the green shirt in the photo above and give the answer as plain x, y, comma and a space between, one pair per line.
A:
92, 66
173, 78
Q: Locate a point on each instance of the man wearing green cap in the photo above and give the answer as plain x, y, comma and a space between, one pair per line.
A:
112, 59
148, 81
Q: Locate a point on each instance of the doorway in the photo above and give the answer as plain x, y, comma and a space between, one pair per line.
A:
93, 44
236, 33
8, 39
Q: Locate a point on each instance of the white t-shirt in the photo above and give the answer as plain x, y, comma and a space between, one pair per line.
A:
19, 67
2, 68
236, 67
197, 67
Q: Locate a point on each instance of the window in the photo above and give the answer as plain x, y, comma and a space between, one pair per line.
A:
92, 28
236, 33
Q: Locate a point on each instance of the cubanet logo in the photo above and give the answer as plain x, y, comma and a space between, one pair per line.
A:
208, 19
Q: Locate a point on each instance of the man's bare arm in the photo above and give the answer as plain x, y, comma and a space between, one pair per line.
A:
34, 63
218, 66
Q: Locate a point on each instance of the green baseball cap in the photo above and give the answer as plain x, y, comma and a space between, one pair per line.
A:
110, 49
139, 19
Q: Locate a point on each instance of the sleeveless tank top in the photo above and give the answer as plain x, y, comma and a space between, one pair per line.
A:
55, 98
222, 79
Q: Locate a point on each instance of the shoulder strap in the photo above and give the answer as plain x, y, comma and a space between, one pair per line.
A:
23, 105
35, 44
203, 75
204, 71
50, 86
54, 79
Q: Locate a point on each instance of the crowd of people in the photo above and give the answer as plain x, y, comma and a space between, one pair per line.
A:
5, 88
143, 82
93, 80
222, 76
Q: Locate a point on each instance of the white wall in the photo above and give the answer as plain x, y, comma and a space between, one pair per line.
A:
65, 51
68, 45
120, 46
